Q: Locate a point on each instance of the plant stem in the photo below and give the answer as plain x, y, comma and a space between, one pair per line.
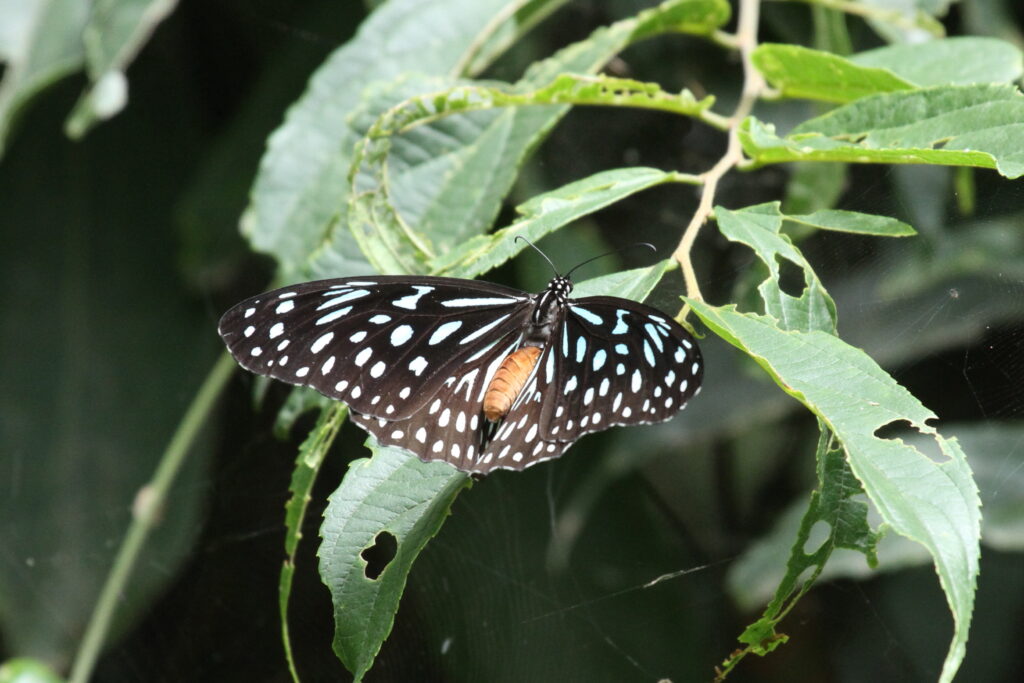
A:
146, 509
753, 85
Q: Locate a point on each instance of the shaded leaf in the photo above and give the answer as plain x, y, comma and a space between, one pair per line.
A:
933, 502
391, 492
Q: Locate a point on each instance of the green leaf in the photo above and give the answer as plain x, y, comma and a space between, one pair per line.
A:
931, 501
25, 670
40, 42
301, 188
759, 228
962, 60
433, 170
392, 493
635, 284
113, 36
307, 467
952, 125
802, 72
855, 222
544, 214
832, 512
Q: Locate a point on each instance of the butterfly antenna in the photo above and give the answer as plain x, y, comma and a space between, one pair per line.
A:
520, 237
613, 251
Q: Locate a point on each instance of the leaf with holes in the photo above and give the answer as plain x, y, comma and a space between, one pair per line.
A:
931, 501
392, 493
759, 228
845, 525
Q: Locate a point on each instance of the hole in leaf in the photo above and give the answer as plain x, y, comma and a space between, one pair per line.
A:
819, 533
903, 430
791, 277
379, 555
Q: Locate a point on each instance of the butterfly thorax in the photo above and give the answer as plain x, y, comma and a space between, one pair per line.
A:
548, 309
515, 370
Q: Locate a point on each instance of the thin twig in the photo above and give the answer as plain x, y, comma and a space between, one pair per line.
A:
146, 512
753, 84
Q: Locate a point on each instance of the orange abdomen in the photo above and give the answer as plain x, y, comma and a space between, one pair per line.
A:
508, 382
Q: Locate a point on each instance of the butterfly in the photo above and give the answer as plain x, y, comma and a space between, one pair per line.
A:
476, 374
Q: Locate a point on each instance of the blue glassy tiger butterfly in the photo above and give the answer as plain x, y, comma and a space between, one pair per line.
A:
479, 375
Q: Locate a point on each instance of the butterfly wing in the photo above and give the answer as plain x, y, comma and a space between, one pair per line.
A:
385, 345
611, 362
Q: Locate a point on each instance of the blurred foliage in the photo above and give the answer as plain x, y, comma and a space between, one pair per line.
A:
122, 249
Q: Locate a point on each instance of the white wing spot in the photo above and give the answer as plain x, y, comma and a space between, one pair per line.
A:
249, 312
620, 369
679, 355
597, 417
401, 334
341, 386
397, 434
421, 435
605, 385
338, 300
438, 445
283, 361
380, 319
483, 330
321, 342
331, 317
636, 381
444, 331
530, 435
479, 301
328, 365
363, 356
256, 351
581, 348
357, 337
404, 393
284, 344
617, 402
456, 450
460, 421
418, 365
504, 451
670, 378
668, 402
249, 330
588, 396
303, 371
474, 422
442, 421
378, 369
657, 392
585, 421
571, 384
517, 456
693, 370
284, 307
286, 295
627, 411
412, 300
648, 353
587, 315
435, 406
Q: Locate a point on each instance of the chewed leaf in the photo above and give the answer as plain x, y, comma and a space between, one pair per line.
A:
759, 228
933, 502
393, 493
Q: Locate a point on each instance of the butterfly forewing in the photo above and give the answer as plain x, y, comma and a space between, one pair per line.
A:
384, 345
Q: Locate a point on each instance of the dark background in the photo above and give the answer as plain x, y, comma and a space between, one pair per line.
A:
121, 251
